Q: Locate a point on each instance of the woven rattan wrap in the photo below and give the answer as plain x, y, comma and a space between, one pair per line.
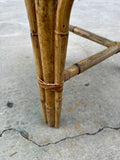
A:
51, 86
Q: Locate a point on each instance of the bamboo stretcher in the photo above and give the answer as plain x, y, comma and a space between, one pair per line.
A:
49, 27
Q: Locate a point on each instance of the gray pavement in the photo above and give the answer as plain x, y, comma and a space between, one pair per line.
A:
90, 122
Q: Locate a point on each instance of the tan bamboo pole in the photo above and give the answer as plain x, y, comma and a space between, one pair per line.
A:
87, 63
89, 35
30, 6
46, 14
61, 38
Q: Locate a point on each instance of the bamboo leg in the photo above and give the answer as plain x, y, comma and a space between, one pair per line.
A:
61, 38
46, 11
30, 6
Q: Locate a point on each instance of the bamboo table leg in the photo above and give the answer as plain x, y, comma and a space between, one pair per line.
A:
49, 25
46, 11
61, 38
30, 6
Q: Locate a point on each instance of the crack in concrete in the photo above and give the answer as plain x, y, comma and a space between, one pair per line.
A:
61, 140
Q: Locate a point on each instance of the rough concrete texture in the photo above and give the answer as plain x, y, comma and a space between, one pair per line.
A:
90, 119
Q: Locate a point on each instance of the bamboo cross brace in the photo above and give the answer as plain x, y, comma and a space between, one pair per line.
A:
87, 63
91, 36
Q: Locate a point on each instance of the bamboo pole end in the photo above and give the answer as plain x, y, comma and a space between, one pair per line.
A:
118, 44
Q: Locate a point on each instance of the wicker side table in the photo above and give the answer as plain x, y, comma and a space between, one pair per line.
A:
49, 27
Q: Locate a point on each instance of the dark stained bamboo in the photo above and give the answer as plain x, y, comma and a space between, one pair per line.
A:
46, 14
87, 63
30, 6
91, 36
61, 39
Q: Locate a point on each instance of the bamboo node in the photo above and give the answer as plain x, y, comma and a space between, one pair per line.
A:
34, 34
42, 101
78, 66
55, 87
61, 33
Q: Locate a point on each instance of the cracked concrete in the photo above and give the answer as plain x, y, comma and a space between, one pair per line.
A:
91, 101
95, 147
23, 134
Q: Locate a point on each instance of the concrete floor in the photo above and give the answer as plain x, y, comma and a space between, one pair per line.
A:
90, 122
